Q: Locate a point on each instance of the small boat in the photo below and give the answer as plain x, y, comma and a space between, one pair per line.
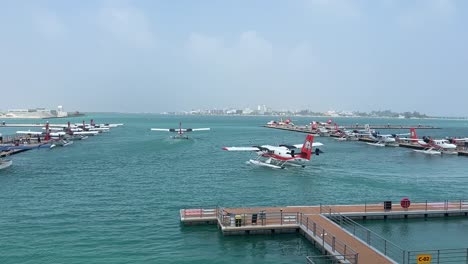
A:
5, 164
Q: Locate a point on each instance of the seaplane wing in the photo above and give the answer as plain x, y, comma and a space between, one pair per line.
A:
314, 144
242, 148
198, 129
178, 130
29, 133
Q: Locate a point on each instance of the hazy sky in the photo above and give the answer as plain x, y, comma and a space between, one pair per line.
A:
154, 56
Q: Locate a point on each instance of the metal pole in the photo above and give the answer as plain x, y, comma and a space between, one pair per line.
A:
426, 205
333, 243
323, 239
315, 229
307, 223
438, 254
281, 215
365, 207
467, 256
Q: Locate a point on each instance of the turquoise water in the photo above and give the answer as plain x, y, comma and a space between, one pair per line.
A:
115, 198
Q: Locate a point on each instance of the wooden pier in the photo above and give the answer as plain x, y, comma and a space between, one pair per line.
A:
330, 228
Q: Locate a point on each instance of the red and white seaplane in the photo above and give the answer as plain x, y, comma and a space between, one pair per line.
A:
180, 131
278, 157
432, 146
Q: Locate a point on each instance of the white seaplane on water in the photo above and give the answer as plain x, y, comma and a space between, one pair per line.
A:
431, 146
278, 157
5, 163
180, 131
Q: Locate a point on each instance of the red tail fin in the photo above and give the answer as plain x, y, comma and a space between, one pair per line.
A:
47, 136
413, 133
69, 128
306, 150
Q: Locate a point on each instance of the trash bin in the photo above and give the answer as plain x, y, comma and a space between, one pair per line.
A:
387, 205
238, 220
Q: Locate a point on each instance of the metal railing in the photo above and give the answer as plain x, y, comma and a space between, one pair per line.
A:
441, 256
331, 259
418, 205
328, 240
199, 213
367, 236
339, 249
261, 218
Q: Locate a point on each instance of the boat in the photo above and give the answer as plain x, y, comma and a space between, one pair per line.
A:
5, 164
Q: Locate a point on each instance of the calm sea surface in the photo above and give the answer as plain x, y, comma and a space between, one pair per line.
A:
115, 198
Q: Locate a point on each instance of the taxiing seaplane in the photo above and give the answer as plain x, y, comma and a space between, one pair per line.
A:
180, 131
278, 157
431, 146
5, 163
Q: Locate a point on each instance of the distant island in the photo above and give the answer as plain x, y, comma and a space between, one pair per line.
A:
266, 111
38, 113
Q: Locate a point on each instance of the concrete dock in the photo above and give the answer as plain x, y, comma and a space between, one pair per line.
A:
331, 228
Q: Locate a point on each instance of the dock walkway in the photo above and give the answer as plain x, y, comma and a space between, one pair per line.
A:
330, 228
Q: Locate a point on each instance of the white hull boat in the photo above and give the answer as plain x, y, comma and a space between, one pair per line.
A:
5, 164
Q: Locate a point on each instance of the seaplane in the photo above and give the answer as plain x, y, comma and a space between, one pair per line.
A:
54, 138
4, 163
180, 131
432, 146
278, 157
388, 140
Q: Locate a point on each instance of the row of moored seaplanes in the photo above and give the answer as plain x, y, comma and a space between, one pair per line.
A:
53, 135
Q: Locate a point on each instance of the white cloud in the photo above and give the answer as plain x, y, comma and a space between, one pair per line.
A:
127, 24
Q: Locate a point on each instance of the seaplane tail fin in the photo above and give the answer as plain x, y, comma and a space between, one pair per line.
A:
306, 150
413, 134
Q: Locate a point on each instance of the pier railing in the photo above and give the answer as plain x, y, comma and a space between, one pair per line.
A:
260, 218
331, 259
338, 249
367, 236
418, 205
438, 256
199, 213
328, 241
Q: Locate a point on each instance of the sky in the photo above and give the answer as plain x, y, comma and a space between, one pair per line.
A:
174, 55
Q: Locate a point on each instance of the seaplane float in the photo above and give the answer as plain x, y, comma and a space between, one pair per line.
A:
278, 157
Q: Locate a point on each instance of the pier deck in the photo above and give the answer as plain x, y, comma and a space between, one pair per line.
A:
323, 225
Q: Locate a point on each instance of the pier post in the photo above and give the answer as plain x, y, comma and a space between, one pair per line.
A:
315, 229
323, 240
467, 256
333, 243
281, 215
426, 205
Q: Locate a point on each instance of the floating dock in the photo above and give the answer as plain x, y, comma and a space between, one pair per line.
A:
331, 228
